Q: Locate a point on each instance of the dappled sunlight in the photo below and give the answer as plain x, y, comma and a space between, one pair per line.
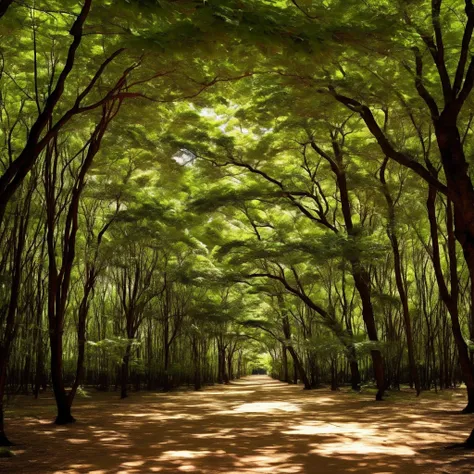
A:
184, 454
222, 434
157, 417
225, 393
266, 407
348, 446
234, 429
330, 428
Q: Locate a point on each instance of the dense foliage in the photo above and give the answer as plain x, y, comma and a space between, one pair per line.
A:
193, 189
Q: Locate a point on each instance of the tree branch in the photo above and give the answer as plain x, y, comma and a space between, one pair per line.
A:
388, 149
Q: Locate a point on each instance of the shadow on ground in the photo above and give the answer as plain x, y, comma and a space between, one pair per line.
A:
255, 425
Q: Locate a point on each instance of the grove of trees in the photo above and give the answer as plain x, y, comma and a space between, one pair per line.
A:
185, 185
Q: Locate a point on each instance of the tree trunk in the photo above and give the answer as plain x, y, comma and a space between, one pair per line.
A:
4, 441
166, 380
362, 284
451, 301
299, 369
197, 365
334, 386
359, 273
414, 377
124, 373
355, 375
62, 403
81, 347
470, 441
284, 357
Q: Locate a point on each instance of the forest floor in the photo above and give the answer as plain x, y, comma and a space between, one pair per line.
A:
255, 425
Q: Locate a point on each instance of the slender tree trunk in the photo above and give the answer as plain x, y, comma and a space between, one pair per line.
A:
361, 280
230, 374
197, 364
299, 369
284, 357
124, 372
81, 342
355, 374
359, 273
414, 377
166, 381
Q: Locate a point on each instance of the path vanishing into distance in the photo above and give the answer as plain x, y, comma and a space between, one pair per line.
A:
254, 425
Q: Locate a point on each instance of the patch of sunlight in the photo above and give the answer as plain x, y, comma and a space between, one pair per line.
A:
80, 466
329, 428
77, 441
226, 392
97, 471
361, 447
222, 434
428, 424
133, 463
185, 454
157, 417
266, 462
266, 407
187, 467
134, 415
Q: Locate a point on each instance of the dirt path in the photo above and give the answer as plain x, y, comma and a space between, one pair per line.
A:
255, 425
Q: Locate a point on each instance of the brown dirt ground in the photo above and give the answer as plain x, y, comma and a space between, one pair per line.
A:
255, 425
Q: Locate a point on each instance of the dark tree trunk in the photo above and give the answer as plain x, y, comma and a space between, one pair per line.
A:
361, 280
230, 373
225, 375
451, 299
166, 379
334, 385
124, 373
299, 369
470, 441
355, 375
197, 366
284, 357
4, 441
62, 403
359, 273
